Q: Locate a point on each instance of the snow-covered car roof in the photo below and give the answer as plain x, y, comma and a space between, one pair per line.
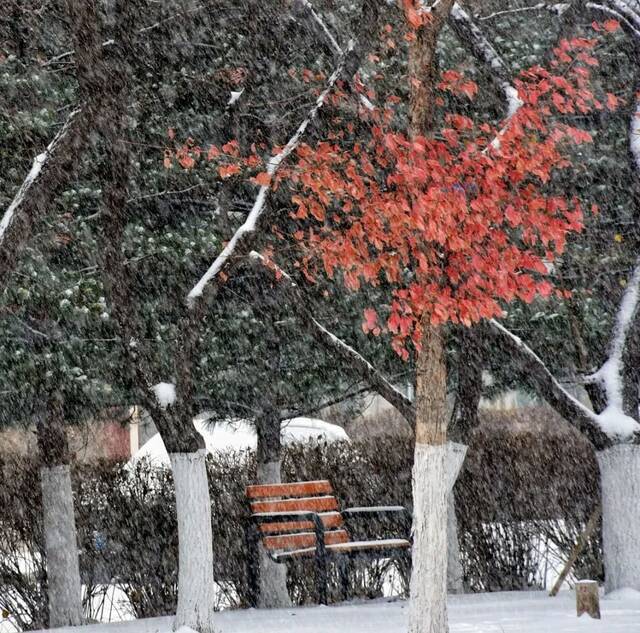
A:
236, 435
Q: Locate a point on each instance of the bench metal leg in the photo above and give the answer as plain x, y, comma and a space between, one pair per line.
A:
321, 576
344, 567
253, 567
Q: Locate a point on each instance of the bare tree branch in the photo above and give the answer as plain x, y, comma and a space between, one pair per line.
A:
107, 43
241, 241
332, 42
334, 344
557, 8
321, 24
534, 371
472, 37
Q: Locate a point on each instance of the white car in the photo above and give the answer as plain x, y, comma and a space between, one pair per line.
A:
236, 435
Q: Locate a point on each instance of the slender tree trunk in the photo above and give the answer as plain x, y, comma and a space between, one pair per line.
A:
620, 483
64, 590
272, 587
428, 586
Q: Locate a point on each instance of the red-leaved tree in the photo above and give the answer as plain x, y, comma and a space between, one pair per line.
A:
455, 219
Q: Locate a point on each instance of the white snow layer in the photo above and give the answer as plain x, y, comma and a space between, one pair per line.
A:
616, 424
613, 420
238, 435
504, 612
235, 95
165, 393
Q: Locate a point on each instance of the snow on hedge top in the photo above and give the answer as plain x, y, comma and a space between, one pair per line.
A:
165, 393
237, 435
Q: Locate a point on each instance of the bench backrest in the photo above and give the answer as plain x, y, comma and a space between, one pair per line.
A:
309, 496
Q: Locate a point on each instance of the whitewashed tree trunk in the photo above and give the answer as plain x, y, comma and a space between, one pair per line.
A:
272, 585
428, 587
455, 459
620, 483
269, 472
61, 547
195, 547
435, 470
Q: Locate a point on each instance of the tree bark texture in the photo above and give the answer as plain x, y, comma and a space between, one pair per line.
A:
272, 585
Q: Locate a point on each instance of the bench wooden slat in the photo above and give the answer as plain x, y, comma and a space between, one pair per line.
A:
303, 540
297, 489
329, 520
310, 504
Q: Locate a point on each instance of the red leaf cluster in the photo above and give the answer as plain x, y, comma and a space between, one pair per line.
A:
456, 224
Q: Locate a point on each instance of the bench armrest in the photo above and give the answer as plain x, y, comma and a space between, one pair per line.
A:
397, 516
379, 510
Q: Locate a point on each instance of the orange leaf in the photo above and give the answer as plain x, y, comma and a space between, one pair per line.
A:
263, 179
611, 25
228, 170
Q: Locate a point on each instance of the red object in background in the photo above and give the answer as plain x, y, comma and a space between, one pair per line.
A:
115, 440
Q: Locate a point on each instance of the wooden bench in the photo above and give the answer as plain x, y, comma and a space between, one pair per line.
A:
303, 519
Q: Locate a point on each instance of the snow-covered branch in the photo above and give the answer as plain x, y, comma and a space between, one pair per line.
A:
332, 41
533, 368
472, 37
334, 344
247, 230
317, 18
612, 373
630, 10
558, 8
37, 189
608, 12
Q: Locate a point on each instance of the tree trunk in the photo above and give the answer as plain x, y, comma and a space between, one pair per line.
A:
428, 586
61, 547
64, 589
465, 420
620, 483
455, 458
272, 585
428, 604
455, 575
195, 549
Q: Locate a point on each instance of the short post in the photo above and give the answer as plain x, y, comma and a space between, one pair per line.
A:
588, 598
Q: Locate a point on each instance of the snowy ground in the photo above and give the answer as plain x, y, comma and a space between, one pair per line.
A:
513, 612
